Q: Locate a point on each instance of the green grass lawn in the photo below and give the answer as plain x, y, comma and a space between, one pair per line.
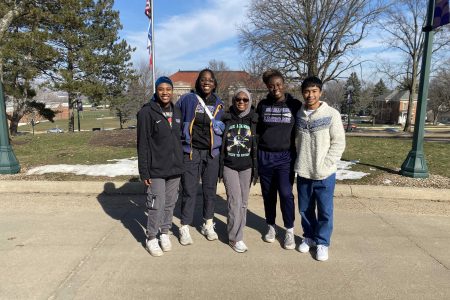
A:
388, 154
374, 155
89, 119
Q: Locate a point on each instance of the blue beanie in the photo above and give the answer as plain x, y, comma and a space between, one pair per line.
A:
163, 79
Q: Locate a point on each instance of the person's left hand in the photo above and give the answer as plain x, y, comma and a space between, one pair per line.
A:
218, 127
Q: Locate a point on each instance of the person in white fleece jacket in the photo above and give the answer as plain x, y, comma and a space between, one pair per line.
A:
320, 142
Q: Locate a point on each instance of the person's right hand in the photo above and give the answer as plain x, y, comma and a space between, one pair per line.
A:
147, 182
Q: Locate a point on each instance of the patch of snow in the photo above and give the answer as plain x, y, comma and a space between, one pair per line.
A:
129, 166
343, 171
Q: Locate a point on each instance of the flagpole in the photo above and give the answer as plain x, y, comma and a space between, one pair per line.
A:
153, 47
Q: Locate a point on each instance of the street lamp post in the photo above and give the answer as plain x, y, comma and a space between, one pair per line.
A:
79, 108
8, 160
415, 164
350, 90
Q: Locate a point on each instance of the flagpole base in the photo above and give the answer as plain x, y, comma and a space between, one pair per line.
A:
415, 165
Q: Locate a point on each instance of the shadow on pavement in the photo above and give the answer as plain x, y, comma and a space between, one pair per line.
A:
129, 209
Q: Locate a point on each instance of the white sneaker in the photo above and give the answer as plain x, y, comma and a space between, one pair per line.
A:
239, 246
185, 237
306, 243
166, 245
270, 235
153, 247
289, 240
208, 231
322, 253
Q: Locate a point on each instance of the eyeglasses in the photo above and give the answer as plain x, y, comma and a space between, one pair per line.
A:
245, 100
206, 80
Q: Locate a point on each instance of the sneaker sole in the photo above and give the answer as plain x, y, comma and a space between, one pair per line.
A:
289, 247
186, 243
303, 251
166, 249
209, 238
322, 259
269, 240
155, 254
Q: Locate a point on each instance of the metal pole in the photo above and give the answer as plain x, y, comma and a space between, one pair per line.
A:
415, 164
349, 102
153, 47
8, 160
78, 115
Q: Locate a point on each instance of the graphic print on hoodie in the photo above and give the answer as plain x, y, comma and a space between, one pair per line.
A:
238, 140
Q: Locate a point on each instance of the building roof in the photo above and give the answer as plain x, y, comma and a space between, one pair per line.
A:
396, 96
189, 77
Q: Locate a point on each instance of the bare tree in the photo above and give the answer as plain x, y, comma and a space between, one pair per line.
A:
404, 22
333, 93
308, 37
224, 78
439, 101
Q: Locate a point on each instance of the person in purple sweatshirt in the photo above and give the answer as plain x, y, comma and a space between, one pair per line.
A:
276, 154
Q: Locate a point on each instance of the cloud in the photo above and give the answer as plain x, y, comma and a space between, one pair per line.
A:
211, 28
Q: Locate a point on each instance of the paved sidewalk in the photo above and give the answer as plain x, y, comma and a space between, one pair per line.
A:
90, 246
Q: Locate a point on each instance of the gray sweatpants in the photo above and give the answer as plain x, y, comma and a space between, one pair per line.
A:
162, 196
237, 186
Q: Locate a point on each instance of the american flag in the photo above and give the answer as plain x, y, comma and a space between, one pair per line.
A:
441, 13
148, 13
148, 9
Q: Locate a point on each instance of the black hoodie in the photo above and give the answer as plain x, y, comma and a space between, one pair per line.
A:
276, 123
160, 154
239, 143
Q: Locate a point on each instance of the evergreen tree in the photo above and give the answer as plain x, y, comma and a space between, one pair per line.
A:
355, 97
379, 90
25, 58
91, 59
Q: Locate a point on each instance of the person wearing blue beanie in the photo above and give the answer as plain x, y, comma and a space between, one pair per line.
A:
160, 163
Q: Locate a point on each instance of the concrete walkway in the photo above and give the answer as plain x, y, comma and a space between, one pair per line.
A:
57, 245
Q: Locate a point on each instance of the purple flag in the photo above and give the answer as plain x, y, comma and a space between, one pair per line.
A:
441, 13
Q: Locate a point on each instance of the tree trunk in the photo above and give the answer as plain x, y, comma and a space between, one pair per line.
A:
412, 93
71, 127
13, 127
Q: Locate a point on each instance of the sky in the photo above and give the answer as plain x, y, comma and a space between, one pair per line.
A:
190, 33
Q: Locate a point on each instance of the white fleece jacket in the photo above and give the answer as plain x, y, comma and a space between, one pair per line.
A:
320, 142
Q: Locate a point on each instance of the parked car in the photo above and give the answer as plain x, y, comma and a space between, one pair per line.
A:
55, 130
352, 126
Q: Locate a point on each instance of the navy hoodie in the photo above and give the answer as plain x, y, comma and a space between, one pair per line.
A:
276, 124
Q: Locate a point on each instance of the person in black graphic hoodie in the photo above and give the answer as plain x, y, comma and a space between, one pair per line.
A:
276, 154
238, 165
160, 162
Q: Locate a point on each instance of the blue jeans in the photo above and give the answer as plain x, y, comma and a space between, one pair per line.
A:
311, 193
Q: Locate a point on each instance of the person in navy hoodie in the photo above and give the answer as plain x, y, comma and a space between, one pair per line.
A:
276, 154
160, 162
201, 138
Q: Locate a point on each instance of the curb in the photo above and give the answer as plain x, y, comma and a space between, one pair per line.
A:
118, 188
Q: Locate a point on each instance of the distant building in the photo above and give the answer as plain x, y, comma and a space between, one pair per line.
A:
228, 83
393, 108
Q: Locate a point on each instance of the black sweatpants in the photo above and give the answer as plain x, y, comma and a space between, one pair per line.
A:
201, 166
